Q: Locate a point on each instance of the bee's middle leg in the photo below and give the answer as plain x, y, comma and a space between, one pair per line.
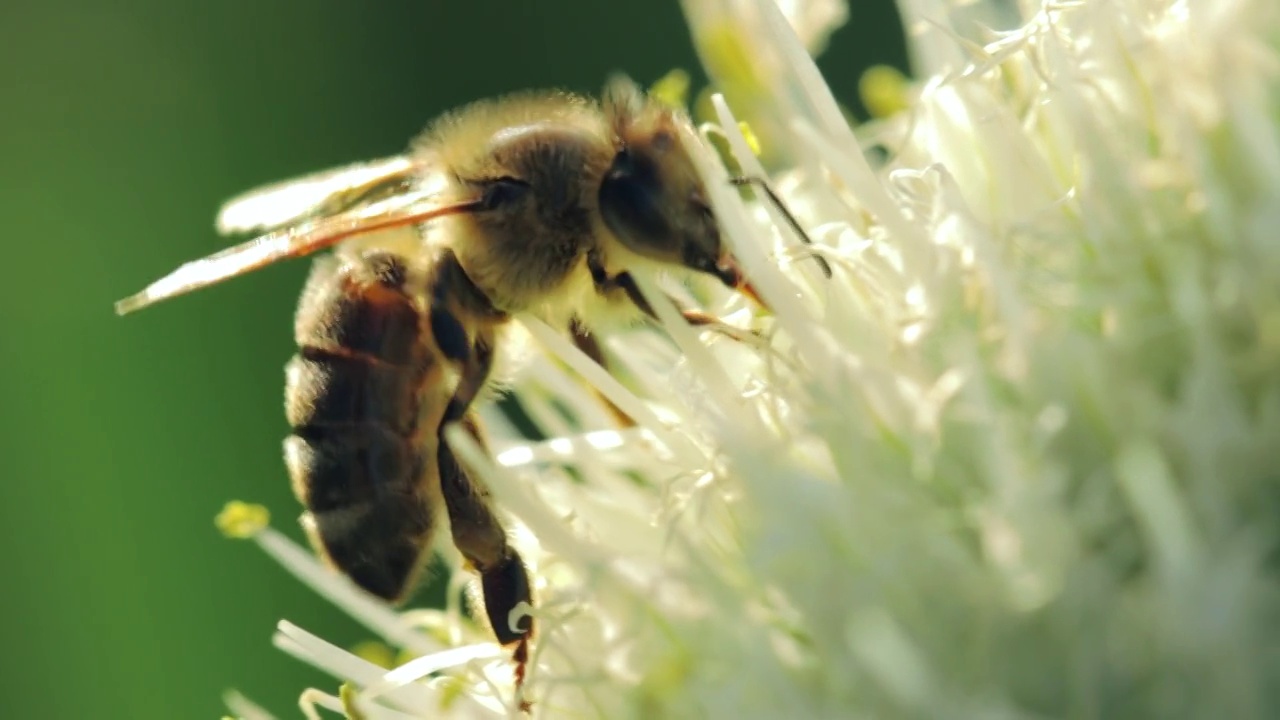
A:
587, 343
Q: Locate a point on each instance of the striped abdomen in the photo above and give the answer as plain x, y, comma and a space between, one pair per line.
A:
353, 393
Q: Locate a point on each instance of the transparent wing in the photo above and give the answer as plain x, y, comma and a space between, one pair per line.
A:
327, 192
399, 210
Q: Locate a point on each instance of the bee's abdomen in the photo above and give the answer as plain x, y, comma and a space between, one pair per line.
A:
352, 396
328, 389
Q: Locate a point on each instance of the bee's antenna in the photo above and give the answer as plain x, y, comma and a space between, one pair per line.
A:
761, 184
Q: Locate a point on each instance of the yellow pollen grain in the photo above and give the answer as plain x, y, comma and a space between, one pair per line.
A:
884, 90
347, 695
749, 135
672, 89
241, 520
375, 652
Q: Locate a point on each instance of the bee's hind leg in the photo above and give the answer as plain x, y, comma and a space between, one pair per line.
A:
480, 537
477, 532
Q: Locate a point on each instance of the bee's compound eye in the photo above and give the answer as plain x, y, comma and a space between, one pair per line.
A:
503, 191
631, 202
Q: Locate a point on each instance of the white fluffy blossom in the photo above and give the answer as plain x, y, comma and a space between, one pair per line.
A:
1019, 457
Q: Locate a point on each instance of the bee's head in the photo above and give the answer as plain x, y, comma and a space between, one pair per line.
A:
651, 197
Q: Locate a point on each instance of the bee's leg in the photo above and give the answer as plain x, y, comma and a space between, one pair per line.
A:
761, 185
607, 284
586, 342
477, 533
480, 537
623, 281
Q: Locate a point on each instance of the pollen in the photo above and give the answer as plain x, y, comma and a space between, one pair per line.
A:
242, 520
749, 135
347, 695
378, 653
884, 90
672, 89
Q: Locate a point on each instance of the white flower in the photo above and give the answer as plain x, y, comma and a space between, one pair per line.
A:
814, 20
1016, 458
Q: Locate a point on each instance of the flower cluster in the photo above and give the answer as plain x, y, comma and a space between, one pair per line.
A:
1006, 445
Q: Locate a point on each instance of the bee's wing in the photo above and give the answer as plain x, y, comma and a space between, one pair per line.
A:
319, 194
410, 208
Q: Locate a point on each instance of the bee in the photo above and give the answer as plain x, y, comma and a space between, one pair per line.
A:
543, 203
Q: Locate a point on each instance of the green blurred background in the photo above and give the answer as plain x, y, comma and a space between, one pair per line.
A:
122, 126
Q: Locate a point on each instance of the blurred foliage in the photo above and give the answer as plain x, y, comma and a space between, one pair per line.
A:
124, 125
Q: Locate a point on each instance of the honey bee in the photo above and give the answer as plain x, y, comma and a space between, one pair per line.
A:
542, 203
